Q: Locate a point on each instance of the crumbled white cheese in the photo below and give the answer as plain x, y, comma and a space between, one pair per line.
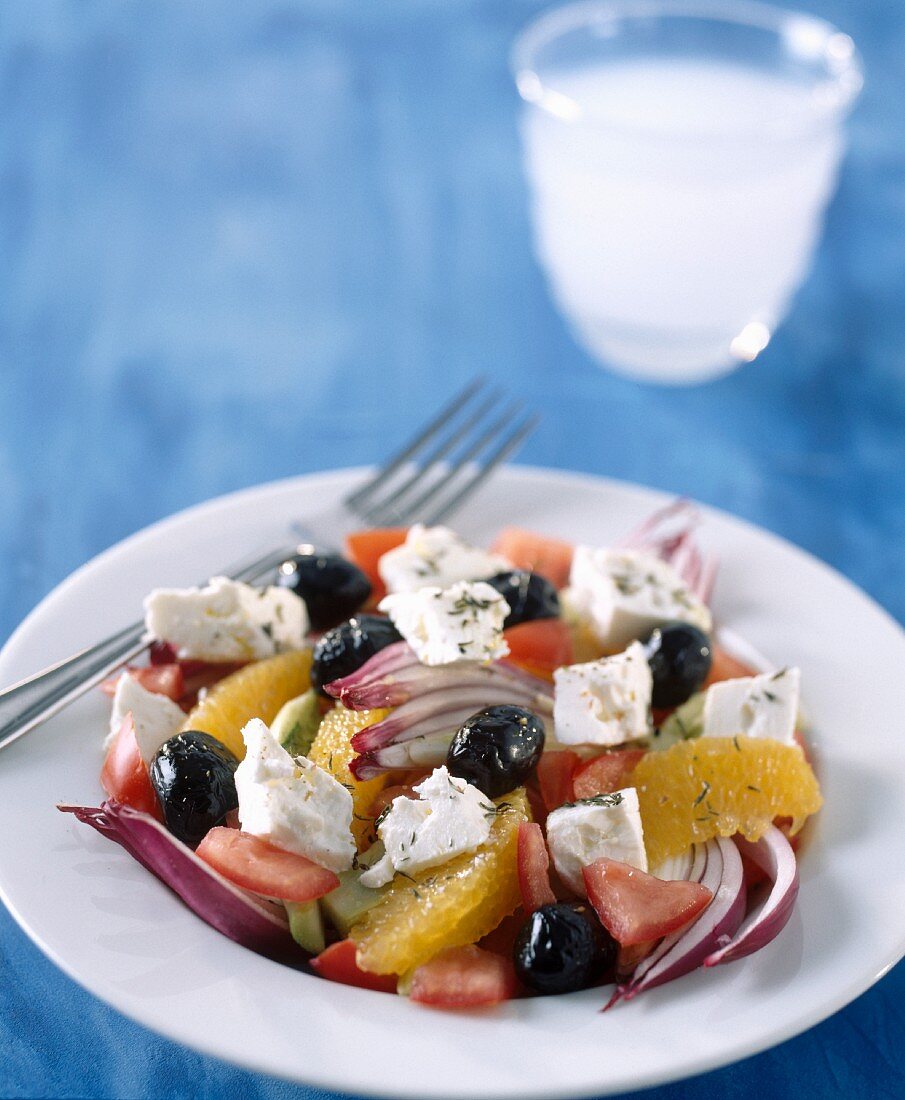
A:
436, 556
755, 706
624, 594
449, 817
156, 717
604, 702
444, 625
606, 826
292, 803
227, 620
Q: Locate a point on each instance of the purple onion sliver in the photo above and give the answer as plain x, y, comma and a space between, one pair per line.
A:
391, 658
774, 855
227, 908
721, 918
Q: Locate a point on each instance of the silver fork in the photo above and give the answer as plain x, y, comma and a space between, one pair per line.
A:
427, 480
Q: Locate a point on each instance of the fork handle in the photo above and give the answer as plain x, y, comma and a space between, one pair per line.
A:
30, 702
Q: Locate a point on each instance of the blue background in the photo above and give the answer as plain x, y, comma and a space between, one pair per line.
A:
239, 241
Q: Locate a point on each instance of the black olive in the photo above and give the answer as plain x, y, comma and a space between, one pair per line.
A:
679, 656
346, 647
497, 748
529, 595
563, 947
332, 588
193, 775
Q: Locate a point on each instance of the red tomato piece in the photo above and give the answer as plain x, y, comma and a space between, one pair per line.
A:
501, 941
464, 977
634, 907
554, 776
629, 957
540, 646
605, 774
125, 776
366, 548
550, 557
724, 667
533, 867
338, 964
166, 680
263, 869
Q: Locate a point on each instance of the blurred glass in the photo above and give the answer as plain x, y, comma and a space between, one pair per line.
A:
680, 157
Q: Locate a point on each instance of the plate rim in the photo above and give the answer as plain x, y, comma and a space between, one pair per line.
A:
693, 1065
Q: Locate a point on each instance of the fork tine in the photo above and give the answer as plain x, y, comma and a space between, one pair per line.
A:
411, 449
392, 503
471, 452
507, 447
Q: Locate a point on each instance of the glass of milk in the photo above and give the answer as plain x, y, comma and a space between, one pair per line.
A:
680, 155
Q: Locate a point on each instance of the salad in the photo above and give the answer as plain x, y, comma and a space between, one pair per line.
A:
461, 774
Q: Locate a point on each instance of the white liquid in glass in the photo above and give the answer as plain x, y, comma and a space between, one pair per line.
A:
677, 204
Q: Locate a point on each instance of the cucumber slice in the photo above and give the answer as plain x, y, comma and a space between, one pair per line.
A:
349, 902
685, 722
307, 925
296, 723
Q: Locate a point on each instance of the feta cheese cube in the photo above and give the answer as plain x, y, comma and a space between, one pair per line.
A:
608, 825
755, 706
155, 717
292, 803
436, 556
624, 594
449, 817
227, 621
444, 625
605, 702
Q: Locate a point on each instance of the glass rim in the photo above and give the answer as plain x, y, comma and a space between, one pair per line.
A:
837, 53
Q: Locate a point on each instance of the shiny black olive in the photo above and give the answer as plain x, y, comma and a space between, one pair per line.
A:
563, 947
332, 588
679, 656
497, 748
529, 595
348, 646
193, 775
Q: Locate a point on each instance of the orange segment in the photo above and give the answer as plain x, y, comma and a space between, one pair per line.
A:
718, 786
256, 691
332, 750
448, 906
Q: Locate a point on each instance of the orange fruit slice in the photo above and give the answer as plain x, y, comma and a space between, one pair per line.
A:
332, 750
256, 691
447, 906
719, 786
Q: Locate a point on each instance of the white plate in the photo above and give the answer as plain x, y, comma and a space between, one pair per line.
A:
125, 937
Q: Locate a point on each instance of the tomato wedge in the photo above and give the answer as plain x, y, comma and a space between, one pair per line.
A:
550, 557
166, 680
257, 866
366, 548
464, 977
605, 774
533, 867
634, 907
338, 964
125, 776
724, 667
554, 776
540, 646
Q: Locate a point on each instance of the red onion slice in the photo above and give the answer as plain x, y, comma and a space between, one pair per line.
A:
724, 876
396, 688
669, 533
392, 658
774, 855
243, 918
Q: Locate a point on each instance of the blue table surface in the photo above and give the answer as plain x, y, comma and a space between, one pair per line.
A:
238, 241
